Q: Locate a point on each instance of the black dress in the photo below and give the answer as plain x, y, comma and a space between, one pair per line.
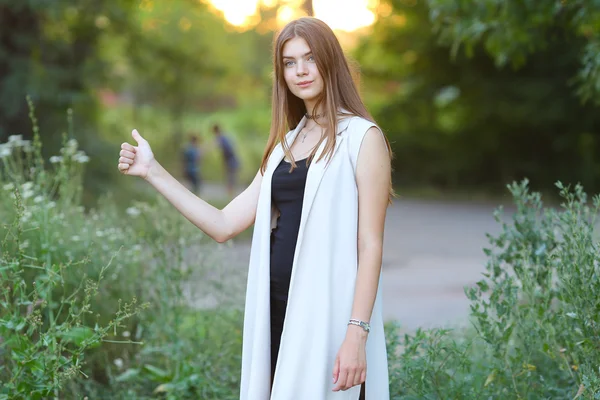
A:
287, 194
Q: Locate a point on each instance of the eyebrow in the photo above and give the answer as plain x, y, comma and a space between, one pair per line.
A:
303, 55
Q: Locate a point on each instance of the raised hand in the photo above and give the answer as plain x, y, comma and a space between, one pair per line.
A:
136, 160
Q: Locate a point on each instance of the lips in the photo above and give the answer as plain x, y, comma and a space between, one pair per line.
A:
305, 84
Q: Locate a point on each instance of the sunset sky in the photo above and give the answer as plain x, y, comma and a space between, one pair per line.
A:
346, 15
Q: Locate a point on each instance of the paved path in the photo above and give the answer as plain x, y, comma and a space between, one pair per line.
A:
432, 250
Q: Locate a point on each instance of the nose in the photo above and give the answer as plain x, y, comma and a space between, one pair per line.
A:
301, 68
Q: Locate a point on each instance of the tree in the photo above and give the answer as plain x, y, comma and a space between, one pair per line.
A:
49, 52
464, 123
512, 31
308, 7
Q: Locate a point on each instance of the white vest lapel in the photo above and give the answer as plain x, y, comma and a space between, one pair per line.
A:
315, 175
278, 153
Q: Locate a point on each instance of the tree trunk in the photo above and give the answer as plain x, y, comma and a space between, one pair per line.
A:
308, 7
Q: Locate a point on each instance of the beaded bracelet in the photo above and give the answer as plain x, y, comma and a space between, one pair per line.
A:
362, 324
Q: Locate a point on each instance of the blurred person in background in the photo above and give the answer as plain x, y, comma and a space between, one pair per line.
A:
318, 204
192, 160
230, 160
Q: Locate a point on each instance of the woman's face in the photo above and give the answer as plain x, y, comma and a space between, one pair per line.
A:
300, 71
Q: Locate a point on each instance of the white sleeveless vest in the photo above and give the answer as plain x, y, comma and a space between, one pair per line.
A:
321, 288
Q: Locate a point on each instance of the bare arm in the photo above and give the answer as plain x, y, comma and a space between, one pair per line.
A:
221, 225
373, 175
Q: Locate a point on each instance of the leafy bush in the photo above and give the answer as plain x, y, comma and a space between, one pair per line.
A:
535, 314
65, 330
50, 278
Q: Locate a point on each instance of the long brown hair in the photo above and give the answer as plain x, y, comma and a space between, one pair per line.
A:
339, 92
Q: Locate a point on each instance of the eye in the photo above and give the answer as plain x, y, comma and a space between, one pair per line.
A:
311, 58
288, 63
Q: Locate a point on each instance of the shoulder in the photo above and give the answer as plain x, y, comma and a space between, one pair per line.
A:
354, 125
356, 129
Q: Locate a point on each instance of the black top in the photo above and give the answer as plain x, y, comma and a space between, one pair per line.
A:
287, 193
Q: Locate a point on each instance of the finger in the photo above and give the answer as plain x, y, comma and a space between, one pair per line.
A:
128, 147
342, 378
357, 378
125, 160
349, 380
123, 167
136, 135
363, 376
336, 370
127, 153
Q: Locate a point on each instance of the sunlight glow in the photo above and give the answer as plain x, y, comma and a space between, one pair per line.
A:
236, 12
346, 15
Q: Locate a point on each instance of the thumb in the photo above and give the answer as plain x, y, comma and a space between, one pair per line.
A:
336, 369
138, 138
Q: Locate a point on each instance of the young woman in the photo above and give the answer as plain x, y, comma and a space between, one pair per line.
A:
313, 321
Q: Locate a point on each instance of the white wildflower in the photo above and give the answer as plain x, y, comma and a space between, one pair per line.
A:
25, 144
55, 159
70, 148
50, 205
118, 363
26, 216
81, 158
5, 151
75, 238
24, 244
99, 233
28, 193
15, 138
8, 186
126, 334
27, 185
38, 199
134, 212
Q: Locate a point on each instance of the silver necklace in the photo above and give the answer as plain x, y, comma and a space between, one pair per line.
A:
306, 132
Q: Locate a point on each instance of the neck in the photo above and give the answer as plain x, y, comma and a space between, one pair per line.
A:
310, 107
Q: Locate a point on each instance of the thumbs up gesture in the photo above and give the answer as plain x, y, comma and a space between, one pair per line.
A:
136, 160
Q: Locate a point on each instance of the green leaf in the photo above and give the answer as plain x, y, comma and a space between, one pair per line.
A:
77, 335
156, 372
164, 388
128, 375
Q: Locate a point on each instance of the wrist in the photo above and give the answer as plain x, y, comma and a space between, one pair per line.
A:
153, 171
356, 332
